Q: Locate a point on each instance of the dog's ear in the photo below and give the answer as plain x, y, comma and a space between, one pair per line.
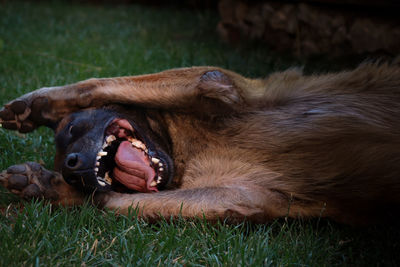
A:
214, 80
219, 85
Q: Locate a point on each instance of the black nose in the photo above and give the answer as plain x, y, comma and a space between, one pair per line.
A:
74, 161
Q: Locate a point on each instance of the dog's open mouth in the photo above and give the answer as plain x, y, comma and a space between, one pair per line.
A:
125, 158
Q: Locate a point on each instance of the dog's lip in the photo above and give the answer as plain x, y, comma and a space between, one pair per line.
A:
80, 176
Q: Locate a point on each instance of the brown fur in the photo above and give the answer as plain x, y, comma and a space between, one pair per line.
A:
287, 145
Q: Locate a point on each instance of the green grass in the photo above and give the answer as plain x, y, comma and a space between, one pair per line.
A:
52, 44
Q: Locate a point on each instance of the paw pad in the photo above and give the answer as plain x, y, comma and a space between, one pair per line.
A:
29, 180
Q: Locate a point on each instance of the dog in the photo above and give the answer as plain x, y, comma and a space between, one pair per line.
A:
207, 142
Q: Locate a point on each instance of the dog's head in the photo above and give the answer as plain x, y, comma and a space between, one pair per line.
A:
112, 149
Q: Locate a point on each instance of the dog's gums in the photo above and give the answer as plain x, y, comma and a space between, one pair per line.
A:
126, 158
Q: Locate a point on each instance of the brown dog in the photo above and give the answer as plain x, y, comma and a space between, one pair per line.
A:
222, 146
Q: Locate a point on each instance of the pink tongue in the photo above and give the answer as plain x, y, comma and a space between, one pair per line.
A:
133, 168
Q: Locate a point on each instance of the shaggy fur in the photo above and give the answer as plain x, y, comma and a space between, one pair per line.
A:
287, 145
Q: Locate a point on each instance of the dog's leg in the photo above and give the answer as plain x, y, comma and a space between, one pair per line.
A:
30, 180
178, 88
212, 203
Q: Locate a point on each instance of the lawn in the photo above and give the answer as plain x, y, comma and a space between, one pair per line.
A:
46, 44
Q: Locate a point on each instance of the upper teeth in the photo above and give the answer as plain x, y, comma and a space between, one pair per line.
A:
138, 144
101, 154
110, 138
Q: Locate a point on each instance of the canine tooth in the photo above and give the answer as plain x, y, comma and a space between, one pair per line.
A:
101, 183
154, 183
102, 153
97, 163
110, 138
155, 161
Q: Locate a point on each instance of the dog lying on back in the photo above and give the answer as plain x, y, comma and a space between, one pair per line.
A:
207, 142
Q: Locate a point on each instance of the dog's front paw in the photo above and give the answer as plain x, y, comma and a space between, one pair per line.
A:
25, 113
46, 106
30, 180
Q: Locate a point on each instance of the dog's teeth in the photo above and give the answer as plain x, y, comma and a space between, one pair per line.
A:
101, 181
110, 138
138, 144
154, 183
155, 161
96, 169
98, 157
102, 153
97, 163
134, 141
161, 169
